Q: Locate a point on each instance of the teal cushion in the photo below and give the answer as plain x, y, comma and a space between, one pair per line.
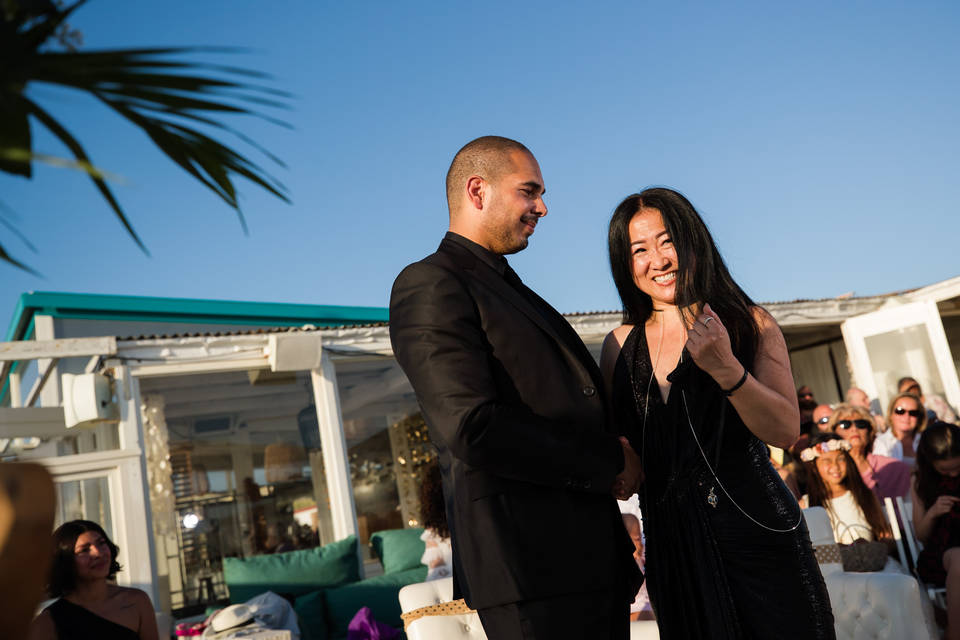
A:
311, 613
398, 549
380, 593
294, 572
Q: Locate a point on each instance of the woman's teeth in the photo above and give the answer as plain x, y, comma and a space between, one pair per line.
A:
664, 279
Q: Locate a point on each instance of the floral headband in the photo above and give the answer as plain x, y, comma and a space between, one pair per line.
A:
808, 454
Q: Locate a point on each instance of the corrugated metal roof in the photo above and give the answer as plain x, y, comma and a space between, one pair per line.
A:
249, 332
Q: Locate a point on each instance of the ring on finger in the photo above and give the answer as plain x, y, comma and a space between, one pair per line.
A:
706, 321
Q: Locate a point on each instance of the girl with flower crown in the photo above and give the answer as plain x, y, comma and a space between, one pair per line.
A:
834, 484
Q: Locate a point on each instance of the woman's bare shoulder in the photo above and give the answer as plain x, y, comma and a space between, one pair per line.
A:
42, 627
763, 318
614, 341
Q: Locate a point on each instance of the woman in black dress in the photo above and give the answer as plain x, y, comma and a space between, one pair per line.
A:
699, 378
90, 605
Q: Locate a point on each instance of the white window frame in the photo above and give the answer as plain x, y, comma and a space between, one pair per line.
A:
856, 330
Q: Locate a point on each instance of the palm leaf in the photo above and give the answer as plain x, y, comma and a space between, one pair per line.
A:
77, 150
157, 89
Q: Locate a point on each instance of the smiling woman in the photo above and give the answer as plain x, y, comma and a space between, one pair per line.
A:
699, 380
89, 605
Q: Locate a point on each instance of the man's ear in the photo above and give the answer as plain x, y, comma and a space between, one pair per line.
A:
476, 191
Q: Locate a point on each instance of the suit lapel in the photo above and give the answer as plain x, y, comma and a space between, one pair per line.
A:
570, 343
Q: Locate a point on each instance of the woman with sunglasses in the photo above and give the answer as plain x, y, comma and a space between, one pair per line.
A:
887, 477
907, 419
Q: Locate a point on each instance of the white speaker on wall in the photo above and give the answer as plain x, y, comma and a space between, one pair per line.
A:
88, 400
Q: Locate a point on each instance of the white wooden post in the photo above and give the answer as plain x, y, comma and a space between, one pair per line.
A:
334, 447
134, 495
43, 330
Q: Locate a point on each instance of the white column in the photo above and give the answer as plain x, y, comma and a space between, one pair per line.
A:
334, 447
43, 330
133, 500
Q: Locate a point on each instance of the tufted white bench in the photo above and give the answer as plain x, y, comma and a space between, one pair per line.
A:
869, 606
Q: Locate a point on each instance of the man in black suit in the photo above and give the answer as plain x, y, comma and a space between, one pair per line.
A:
513, 401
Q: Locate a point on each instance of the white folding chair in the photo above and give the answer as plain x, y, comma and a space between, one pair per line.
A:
905, 509
895, 528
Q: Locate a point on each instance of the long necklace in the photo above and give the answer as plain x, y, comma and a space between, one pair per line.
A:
711, 495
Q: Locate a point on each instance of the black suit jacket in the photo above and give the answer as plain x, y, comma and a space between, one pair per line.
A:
513, 402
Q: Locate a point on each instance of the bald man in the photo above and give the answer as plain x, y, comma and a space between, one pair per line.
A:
513, 401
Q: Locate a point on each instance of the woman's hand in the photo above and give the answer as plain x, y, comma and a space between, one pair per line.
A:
709, 344
941, 505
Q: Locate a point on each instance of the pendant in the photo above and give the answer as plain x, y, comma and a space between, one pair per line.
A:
712, 498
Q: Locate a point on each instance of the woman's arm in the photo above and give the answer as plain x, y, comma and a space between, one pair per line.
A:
42, 627
766, 401
609, 353
148, 619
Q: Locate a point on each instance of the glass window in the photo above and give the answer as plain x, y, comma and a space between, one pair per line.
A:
235, 470
84, 499
901, 352
387, 444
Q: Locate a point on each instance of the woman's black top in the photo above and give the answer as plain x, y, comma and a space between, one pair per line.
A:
74, 622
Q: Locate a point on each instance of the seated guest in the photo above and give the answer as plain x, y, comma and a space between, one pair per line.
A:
855, 513
887, 477
437, 554
907, 419
90, 606
786, 472
936, 517
821, 416
641, 609
859, 398
936, 406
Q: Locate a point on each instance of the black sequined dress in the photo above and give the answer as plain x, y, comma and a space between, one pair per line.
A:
712, 573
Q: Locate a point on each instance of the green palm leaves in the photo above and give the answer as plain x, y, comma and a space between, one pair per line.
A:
173, 101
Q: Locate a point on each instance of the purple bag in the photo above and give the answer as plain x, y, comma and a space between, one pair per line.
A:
365, 627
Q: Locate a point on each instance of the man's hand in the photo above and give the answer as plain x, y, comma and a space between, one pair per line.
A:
629, 480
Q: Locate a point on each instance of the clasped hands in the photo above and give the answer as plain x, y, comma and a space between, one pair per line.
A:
629, 480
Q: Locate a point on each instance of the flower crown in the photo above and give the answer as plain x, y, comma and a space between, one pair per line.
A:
808, 454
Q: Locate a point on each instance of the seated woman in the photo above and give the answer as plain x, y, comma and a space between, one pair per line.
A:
854, 510
640, 609
936, 514
887, 477
907, 419
437, 554
90, 605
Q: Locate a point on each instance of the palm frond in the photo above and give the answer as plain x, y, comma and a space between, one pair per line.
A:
157, 89
77, 150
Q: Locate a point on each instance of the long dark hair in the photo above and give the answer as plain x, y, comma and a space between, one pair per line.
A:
63, 571
941, 441
431, 501
819, 496
702, 275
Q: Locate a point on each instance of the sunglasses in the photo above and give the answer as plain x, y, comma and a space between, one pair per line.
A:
823, 420
805, 395
914, 413
847, 424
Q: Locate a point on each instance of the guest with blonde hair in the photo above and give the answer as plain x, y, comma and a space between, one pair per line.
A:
907, 418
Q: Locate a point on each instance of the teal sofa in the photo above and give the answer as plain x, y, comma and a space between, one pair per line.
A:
325, 582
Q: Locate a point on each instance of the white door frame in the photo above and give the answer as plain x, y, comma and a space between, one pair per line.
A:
857, 329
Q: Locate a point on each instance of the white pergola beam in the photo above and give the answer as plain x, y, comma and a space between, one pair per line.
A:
64, 348
39, 422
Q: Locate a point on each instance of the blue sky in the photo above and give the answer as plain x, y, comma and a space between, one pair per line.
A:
819, 141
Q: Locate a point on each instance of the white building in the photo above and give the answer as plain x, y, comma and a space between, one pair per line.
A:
245, 427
